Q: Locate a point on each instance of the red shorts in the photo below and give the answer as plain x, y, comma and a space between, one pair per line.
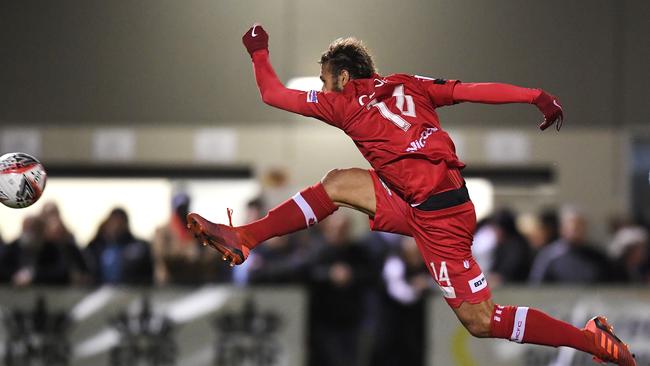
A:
444, 238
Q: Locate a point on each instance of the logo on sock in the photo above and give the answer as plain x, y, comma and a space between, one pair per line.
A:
519, 327
310, 216
518, 330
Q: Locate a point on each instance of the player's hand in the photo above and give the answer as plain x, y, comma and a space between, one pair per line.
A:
256, 39
550, 106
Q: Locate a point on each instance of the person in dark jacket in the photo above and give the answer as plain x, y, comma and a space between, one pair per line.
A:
512, 253
45, 253
116, 256
340, 274
571, 259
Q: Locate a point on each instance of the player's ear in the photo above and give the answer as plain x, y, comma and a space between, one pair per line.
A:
344, 77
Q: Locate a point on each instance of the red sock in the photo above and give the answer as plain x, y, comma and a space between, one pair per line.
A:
527, 325
303, 210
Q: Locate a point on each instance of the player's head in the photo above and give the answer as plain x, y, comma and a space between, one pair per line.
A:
345, 59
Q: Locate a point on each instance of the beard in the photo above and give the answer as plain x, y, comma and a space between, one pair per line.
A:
338, 86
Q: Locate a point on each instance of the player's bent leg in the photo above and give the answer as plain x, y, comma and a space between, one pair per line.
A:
349, 187
528, 325
476, 317
352, 187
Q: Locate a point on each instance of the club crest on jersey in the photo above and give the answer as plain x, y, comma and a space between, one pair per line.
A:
421, 142
312, 96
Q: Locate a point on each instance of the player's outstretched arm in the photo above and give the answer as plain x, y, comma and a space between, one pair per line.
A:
256, 41
498, 93
273, 92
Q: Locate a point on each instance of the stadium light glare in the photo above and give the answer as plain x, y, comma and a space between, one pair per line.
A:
305, 83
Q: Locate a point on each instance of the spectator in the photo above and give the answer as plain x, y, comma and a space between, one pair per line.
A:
59, 261
484, 244
379, 245
541, 230
280, 260
629, 250
570, 259
402, 330
178, 257
512, 255
20, 255
44, 253
550, 227
382, 244
340, 274
50, 213
116, 256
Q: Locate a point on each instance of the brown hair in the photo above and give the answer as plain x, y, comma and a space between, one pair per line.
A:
348, 54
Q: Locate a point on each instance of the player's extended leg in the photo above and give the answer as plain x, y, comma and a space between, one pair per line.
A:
340, 187
445, 238
528, 325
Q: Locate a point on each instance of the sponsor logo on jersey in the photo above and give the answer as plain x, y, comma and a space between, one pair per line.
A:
421, 142
312, 96
466, 264
477, 283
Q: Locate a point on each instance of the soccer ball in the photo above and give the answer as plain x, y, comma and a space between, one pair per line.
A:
22, 180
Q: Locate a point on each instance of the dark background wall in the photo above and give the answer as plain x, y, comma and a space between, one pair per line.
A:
77, 62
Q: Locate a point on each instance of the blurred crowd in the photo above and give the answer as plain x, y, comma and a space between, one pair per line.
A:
366, 294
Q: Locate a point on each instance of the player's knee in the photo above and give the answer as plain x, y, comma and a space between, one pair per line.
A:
339, 182
333, 182
478, 325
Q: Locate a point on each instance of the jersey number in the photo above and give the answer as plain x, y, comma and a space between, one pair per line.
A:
442, 278
404, 103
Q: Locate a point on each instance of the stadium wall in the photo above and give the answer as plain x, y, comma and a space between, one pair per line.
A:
223, 325
78, 62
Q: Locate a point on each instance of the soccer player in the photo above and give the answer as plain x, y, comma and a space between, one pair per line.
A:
415, 187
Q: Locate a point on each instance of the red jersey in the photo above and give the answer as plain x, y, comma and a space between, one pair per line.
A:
393, 122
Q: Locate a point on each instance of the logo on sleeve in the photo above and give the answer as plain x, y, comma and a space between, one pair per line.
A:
312, 96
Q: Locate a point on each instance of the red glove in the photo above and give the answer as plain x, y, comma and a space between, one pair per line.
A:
256, 39
552, 110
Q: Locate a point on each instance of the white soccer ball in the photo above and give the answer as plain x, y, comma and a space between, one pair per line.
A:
22, 180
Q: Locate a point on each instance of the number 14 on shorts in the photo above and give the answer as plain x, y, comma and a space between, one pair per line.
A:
442, 279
